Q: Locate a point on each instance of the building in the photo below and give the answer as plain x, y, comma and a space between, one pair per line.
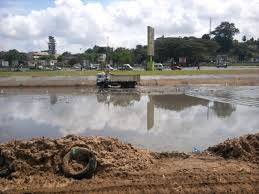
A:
4, 63
37, 55
52, 45
101, 58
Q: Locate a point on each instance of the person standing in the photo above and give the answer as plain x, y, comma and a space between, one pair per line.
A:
198, 66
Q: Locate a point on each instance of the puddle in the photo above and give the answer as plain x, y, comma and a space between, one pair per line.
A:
202, 117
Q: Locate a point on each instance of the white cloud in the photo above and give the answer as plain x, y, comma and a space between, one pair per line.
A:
81, 24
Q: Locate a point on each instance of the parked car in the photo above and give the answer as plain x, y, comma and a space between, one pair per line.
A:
222, 64
56, 68
159, 66
126, 67
94, 67
175, 67
76, 66
109, 67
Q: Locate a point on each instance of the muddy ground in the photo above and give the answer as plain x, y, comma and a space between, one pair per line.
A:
230, 167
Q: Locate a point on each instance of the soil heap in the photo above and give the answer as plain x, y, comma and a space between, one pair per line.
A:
45, 155
245, 148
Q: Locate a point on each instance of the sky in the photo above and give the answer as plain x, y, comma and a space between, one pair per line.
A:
80, 24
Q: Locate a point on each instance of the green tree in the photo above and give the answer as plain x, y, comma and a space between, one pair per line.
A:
14, 55
60, 58
224, 34
195, 49
73, 61
66, 54
122, 56
139, 54
205, 36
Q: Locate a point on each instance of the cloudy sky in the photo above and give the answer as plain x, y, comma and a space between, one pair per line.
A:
80, 24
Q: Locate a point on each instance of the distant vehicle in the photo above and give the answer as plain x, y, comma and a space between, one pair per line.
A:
94, 66
40, 67
159, 66
126, 67
222, 61
222, 64
57, 68
76, 66
175, 67
109, 67
105, 80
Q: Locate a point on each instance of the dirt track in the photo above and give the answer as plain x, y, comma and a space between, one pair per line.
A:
125, 169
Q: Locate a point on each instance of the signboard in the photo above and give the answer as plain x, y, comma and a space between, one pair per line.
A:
150, 41
5, 63
182, 60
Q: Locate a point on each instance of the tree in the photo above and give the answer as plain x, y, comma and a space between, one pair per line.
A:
223, 34
14, 55
73, 61
139, 54
205, 36
244, 38
122, 56
60, 58
66, 54
195, 49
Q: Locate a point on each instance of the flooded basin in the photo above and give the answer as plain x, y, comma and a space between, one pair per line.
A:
194, 119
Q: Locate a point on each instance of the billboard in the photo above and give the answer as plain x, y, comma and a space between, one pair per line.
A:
150, 41
182, 60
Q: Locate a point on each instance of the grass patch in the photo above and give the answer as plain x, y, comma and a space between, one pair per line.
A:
46, 73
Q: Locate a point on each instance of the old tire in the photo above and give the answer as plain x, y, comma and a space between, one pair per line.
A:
87, 155
5, 167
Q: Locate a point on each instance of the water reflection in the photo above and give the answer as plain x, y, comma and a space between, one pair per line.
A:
118, 99
223, 109
53, 99
159, 122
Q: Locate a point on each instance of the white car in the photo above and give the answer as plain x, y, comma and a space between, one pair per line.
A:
109, 67
159, 66
126, 67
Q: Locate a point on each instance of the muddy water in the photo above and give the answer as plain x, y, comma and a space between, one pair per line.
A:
197, 118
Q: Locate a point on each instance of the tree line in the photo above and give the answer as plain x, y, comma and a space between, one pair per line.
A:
167, 49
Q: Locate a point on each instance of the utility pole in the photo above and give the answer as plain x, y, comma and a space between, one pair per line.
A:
107, 50
210, 27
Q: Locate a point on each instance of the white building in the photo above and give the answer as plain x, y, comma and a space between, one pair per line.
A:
4, 63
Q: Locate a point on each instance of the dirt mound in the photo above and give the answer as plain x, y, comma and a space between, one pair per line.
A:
44, 154
245, 148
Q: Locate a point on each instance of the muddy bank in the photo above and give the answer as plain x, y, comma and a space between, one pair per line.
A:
90, 81
244, 148
46, 155
123, 168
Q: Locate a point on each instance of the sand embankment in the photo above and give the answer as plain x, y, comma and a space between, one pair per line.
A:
229, 167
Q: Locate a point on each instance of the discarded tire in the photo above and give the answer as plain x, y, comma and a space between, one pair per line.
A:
5, 167
83, 154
